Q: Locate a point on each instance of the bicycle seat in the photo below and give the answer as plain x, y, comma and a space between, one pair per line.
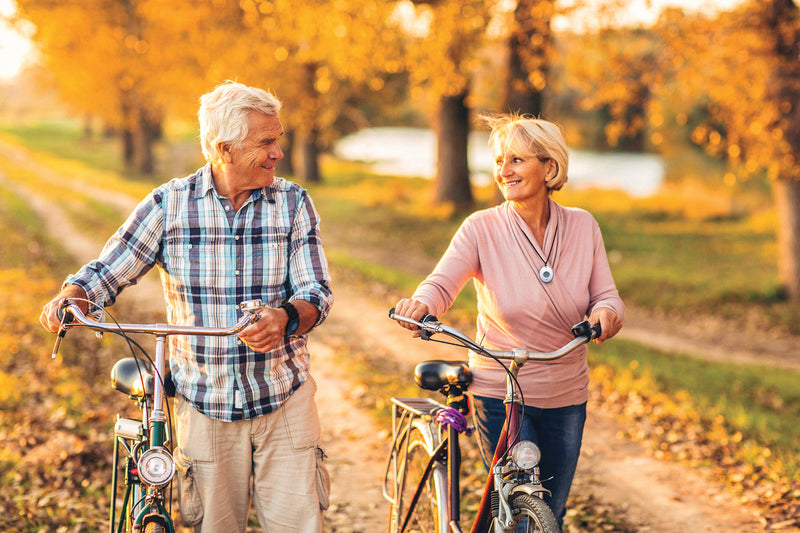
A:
435, 375
129, 374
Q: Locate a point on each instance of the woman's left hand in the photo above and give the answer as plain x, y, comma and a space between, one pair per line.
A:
610, 324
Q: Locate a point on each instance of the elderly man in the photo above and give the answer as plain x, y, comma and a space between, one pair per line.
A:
232, 232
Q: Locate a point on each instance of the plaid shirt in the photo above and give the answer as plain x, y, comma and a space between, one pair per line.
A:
209, 262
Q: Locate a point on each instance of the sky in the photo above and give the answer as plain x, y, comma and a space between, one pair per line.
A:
16, 49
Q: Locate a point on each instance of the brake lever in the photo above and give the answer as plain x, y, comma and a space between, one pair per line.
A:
66, 317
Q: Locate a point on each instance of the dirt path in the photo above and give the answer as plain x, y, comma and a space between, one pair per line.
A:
659, 497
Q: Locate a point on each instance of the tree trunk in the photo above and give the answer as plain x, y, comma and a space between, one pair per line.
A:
145, 134
787, 203
452, 166
285, 166
528, 63
126, 137
782, 22
307, 157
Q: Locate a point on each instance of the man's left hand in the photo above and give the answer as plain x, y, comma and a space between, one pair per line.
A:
268, 332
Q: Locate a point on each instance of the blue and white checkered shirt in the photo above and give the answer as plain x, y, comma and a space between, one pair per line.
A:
210, 261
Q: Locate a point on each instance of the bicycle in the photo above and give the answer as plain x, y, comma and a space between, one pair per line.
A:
147, 462
421, 481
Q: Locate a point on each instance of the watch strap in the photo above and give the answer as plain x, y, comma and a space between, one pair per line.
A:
294, 318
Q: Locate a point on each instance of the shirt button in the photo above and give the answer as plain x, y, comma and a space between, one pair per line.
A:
227, 208
236, 238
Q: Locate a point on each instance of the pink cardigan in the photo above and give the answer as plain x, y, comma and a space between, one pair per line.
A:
515, 309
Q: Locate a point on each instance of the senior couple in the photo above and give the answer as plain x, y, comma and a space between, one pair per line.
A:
246, 421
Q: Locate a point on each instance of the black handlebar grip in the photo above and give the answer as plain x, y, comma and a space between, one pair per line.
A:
587, 330
64, 318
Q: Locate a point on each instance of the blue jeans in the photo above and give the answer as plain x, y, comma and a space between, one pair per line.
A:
558, 433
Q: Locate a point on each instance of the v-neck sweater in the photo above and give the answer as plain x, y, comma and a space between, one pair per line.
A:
494, 248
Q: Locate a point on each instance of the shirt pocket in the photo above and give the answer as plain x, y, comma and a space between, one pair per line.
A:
269, 257
196, 264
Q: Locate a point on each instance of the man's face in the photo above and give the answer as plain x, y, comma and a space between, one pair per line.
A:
253, 165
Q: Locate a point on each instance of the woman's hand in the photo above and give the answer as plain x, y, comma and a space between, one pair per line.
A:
609, 323
413, 309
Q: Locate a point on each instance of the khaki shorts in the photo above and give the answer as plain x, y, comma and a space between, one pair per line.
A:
278, 454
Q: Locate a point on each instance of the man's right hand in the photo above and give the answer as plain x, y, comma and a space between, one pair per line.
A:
49, 317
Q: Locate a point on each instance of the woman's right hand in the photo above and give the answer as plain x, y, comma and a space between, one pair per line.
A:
414, 309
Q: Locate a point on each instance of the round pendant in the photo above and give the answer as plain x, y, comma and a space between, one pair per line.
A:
546, 274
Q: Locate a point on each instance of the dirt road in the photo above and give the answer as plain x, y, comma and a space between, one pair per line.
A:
656, 496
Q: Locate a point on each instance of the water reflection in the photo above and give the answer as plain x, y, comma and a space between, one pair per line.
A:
412, 152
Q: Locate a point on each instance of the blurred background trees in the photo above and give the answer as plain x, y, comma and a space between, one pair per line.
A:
726, 83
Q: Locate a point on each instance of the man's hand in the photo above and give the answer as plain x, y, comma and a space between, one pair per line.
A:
49, 317
269, 331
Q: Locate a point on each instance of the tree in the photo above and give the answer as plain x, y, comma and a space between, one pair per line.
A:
529, 46
782, 25
444, 36
99, 58
750, 87
316, 68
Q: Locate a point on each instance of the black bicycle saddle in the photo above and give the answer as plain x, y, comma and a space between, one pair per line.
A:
435, 375
129, 374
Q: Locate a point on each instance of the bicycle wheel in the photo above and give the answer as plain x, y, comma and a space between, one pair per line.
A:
531, 515
154, 527
430, 512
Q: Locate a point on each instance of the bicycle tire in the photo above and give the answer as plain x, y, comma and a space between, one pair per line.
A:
430, 512
531, 515
155, 527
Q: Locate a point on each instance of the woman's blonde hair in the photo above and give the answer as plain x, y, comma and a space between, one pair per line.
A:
526, 136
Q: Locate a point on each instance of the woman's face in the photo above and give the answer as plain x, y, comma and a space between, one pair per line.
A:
522, 178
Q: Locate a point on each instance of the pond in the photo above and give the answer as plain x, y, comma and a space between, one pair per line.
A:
412, 152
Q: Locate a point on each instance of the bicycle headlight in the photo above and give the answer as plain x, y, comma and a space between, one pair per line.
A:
526, 455
156, 467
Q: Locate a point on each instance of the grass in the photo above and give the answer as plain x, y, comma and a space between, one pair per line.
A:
689, 252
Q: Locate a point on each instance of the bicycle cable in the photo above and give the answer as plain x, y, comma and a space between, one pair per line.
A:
132, 344
473, 345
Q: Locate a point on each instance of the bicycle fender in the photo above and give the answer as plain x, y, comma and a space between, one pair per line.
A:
531, 489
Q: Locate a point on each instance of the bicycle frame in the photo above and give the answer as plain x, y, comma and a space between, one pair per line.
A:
150, 467
408, 413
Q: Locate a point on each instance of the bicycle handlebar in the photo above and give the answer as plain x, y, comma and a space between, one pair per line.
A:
72, 316
430, 325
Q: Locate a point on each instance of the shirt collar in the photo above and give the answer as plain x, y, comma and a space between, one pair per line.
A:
206, 186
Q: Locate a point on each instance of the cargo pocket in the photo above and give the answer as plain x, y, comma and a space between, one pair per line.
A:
323, 480
191, 506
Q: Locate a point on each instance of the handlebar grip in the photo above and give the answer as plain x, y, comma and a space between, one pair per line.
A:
426, 318
65, 317
584, 329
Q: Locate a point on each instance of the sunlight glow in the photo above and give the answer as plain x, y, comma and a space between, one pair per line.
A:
15, 48
605, 13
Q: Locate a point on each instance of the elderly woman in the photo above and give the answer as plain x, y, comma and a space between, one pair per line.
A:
538, 268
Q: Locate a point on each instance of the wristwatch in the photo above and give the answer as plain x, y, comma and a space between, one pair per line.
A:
294, 318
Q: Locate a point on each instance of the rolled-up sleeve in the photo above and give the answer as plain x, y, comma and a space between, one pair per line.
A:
308, 267
128, 255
